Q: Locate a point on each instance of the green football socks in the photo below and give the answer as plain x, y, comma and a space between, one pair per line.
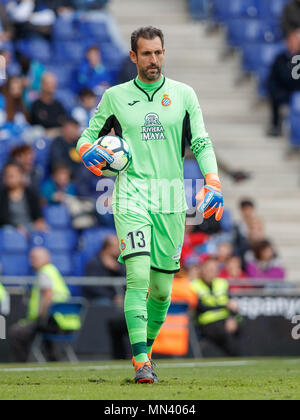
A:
145, 317
158, 304
138, 281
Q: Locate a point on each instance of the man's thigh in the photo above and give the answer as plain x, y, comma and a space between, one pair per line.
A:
167, 241
134, 231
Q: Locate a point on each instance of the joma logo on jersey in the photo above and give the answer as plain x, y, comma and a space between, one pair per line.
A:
153, 130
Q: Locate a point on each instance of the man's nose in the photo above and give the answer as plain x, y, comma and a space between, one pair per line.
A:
154, 59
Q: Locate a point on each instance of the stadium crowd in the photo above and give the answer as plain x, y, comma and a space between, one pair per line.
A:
47, 198
267, 34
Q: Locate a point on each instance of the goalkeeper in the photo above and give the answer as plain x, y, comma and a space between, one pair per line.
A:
156, 116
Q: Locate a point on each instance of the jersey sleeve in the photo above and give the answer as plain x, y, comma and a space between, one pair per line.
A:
101, 124
198, 137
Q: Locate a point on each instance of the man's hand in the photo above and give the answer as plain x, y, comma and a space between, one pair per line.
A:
211, 198
233, 306
95, 157
231, 326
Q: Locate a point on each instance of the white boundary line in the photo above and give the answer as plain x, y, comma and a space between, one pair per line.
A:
125, 367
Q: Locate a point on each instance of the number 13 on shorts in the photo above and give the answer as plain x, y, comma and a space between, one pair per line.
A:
136, 243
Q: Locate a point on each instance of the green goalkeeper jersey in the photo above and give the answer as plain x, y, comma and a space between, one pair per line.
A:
156, 120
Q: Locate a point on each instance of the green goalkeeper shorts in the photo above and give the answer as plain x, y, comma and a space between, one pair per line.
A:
160, 236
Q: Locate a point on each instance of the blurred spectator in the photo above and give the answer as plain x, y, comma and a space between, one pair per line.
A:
105, 264
225, 252
49, 288
15, 111
248, 212
19, 204
30, 17
59, 6
193, 272
249, 230
234, 271
63, 148
86, 109
282, 84
4, 301
216, 312
174, 336
263, 263
56, 189
127, 72
6, 28
31, 73
12, 68
290, 21
92, 73
47, 111
24, 155
83, 5
192, 240
256, 234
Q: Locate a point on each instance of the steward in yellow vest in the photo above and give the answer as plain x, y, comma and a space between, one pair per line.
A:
4, 299
216, 313
49, 288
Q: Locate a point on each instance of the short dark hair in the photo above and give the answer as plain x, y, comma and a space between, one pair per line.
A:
60, 167
70, 120
247, 203
260, 246
19, 150
86, 92
148, 32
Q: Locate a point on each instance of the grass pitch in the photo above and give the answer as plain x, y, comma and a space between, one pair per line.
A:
252, 379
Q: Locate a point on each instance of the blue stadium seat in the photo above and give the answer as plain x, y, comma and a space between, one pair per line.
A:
227, 9
37, 49
15, 265
92, 241
4, 151
67, 98
97, 32
294, 120
227, 222
295, 104
56, 241
63, 262
192, 170
12, 241
262, 76
64, 74
271, 9
79, 261
295, 130
42, 155
65, 29
258, 55
243, 31
71, 52
112, 56
58, 217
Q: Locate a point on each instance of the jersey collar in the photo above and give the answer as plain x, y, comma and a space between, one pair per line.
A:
150, 89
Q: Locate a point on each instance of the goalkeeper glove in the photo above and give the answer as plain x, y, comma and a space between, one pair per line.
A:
95, 157
211, 198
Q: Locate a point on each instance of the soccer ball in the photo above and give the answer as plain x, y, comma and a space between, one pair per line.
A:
122, 155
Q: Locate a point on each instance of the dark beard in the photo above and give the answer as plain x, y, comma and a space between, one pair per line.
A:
152, 78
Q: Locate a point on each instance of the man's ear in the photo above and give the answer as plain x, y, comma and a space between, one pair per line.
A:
133, 57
